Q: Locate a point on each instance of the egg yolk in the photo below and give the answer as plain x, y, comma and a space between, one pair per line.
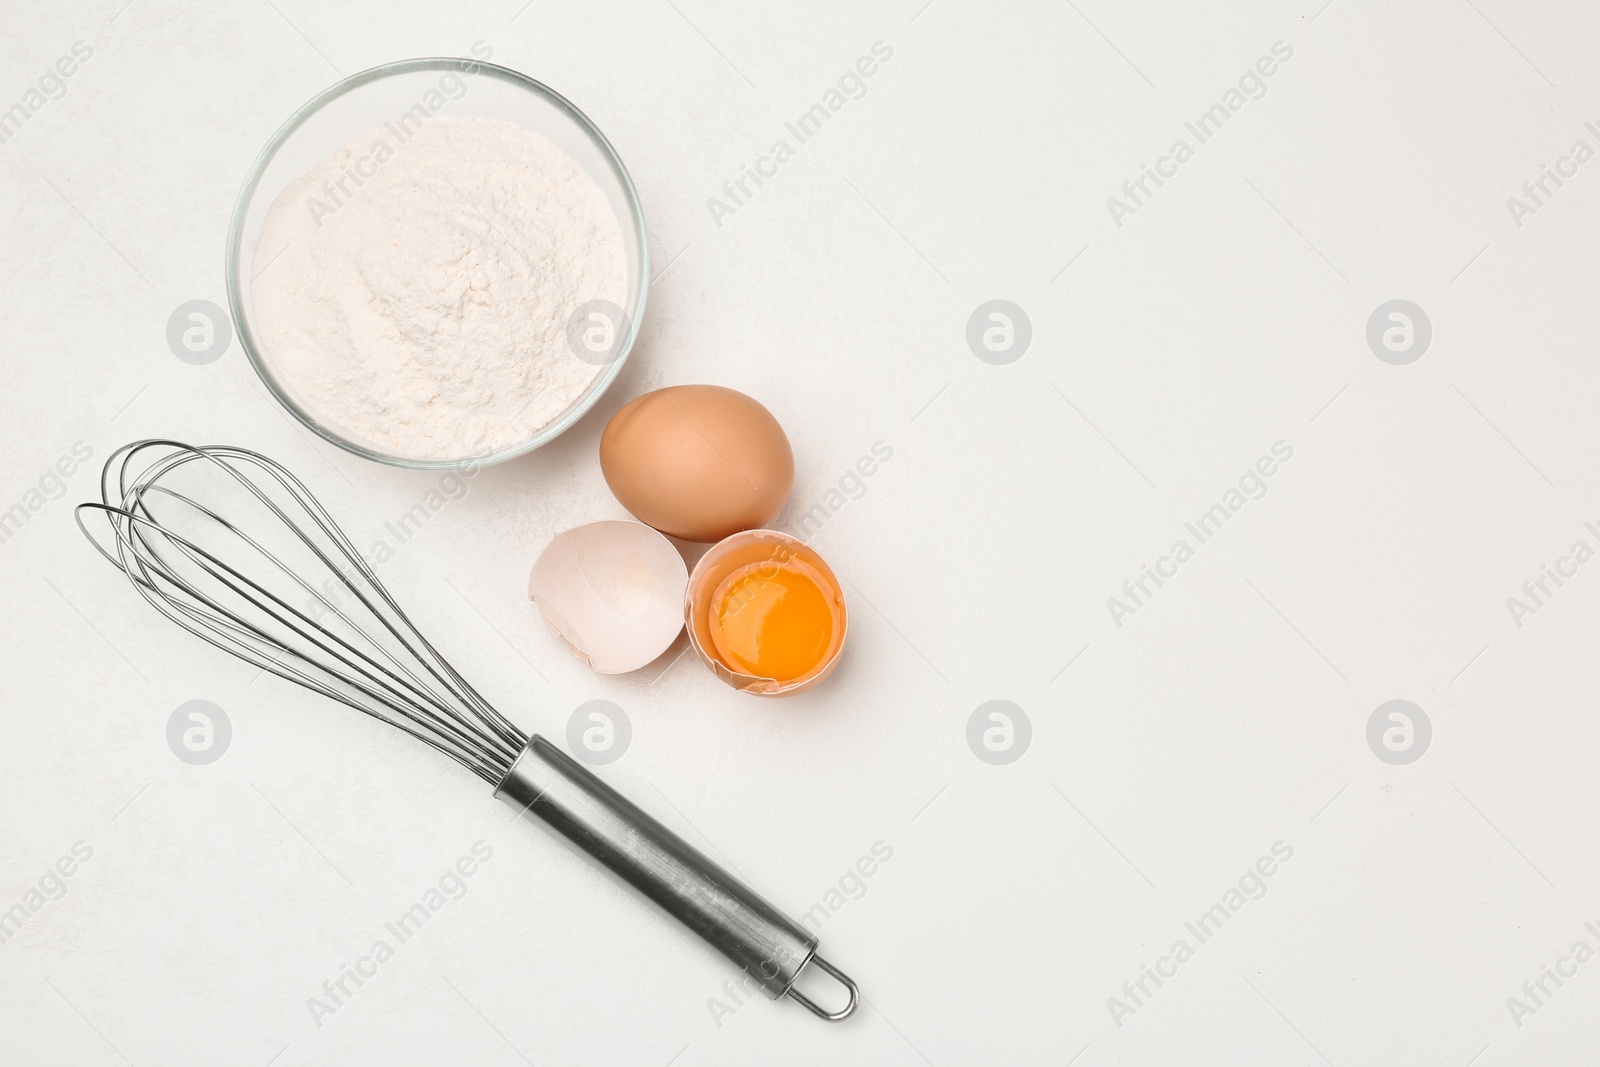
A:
774, 619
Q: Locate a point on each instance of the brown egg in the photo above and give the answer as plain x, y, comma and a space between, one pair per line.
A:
698, 462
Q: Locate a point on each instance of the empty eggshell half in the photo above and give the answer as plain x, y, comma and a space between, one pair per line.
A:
613, 590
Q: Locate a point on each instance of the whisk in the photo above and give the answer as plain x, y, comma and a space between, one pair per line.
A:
232, 547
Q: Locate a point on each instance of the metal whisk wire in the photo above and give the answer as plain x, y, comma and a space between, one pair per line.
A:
380, 665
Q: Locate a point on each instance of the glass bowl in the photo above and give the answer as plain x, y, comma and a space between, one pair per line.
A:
367, 101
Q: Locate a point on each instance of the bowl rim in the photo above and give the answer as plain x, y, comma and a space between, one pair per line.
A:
234, 259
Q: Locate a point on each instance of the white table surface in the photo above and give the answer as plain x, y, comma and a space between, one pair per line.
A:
1168, 755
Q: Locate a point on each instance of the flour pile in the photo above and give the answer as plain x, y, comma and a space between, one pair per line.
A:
415, 294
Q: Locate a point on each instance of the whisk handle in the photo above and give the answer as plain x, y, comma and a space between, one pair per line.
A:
729, 915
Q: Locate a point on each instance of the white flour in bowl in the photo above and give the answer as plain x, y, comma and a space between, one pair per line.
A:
415, 295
